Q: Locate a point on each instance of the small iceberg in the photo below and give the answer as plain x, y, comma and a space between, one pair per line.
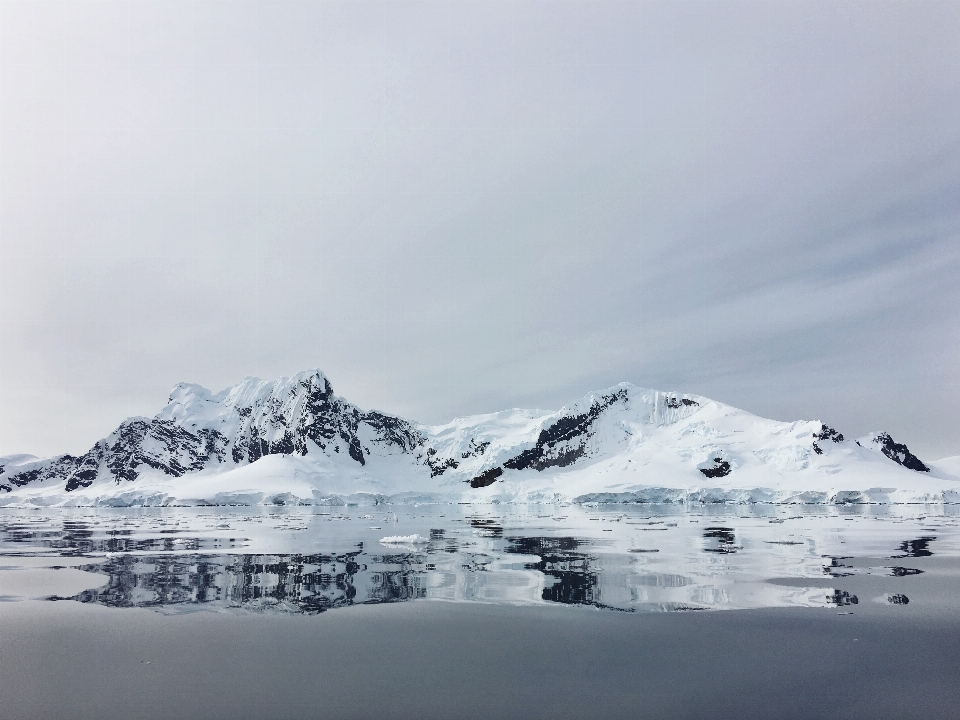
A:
403, 540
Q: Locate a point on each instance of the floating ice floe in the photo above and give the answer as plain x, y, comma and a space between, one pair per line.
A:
403, 540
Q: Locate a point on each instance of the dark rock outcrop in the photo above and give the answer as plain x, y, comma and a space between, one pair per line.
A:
487, 477
280, 423
565, 441
720, 468
899, 453
826, 433
439, 465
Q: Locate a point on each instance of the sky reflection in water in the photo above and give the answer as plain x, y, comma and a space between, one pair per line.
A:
632, 558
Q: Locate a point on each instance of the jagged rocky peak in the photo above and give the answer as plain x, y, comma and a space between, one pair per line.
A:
198, 429
826, 434
189, 400
290, 415
613, 438
878, 441
898, 452
253, 392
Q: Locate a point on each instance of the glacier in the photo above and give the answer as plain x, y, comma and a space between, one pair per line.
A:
293, 441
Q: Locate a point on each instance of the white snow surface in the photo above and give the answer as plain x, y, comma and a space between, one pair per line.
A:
635, 445
17, 460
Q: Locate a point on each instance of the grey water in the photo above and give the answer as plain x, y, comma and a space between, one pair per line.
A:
480, 611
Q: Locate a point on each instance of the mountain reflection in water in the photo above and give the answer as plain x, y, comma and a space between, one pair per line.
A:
305, 561
314, 583
306, 583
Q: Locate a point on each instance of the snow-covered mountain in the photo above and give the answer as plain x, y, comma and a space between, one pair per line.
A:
293, 440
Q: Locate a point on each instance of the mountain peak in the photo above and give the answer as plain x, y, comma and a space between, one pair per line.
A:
625, 442
898, 452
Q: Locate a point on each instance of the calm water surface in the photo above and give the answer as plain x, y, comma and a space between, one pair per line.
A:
624, 558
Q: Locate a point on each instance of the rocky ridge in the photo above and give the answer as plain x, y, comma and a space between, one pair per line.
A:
197, 431
621, 444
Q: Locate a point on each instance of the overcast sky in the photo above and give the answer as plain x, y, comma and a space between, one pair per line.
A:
457, 207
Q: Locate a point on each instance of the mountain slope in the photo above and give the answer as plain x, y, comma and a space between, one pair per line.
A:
293, 440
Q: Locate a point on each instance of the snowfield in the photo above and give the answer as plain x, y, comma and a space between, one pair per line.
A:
293, 441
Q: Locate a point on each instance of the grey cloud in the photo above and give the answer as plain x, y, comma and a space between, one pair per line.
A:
459, 207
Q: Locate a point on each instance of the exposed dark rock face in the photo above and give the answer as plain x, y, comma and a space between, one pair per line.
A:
394, 430
179, 451
565, 441
676, 403
199, 431
280, 423
437, 465
826, 433
324, 419
476, 449
160, 444
899, 453
487, 477
721, 468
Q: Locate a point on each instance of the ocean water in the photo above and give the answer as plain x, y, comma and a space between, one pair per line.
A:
481, 611
625, 558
